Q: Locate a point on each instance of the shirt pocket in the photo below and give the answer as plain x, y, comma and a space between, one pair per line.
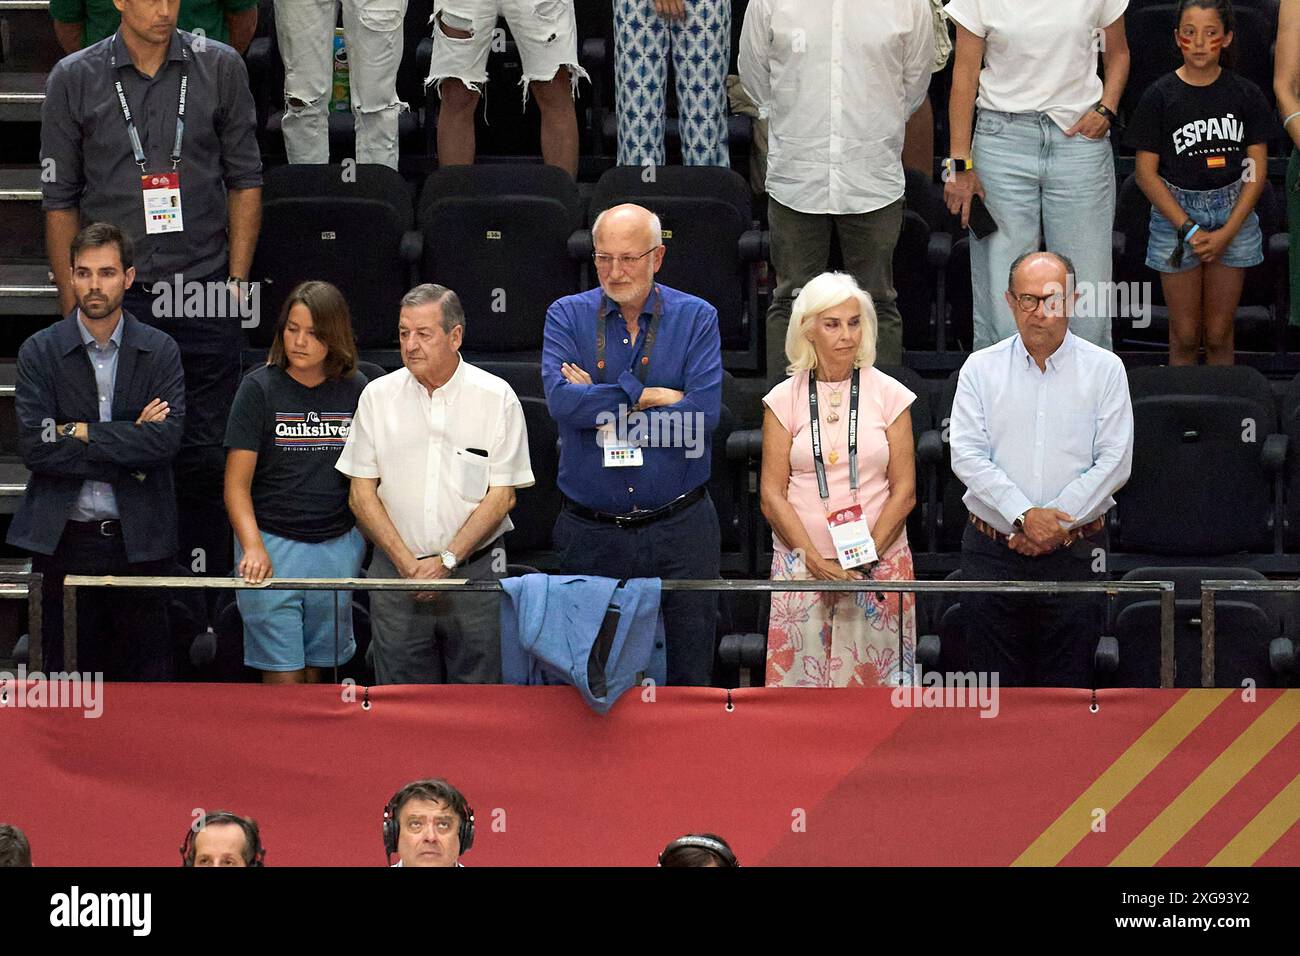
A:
469, 475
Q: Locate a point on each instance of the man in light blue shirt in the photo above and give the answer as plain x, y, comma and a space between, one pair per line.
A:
1042, 437
96, 501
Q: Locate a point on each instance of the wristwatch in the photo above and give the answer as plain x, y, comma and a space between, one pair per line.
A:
70, 430
449, 560
959, 165
1020, 521
242, 288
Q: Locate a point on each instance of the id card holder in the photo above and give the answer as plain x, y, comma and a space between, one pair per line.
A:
618, 454
162, 203
851, 536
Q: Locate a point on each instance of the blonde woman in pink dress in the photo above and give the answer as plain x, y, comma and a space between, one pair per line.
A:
849, 639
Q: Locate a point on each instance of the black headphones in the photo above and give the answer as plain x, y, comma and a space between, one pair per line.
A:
435, 789
716, 847
252, 838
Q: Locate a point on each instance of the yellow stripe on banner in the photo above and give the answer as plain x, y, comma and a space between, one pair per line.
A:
1119, 779
1213, 783
1267, 828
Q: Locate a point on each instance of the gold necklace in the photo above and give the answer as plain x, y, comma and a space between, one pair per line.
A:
834, 398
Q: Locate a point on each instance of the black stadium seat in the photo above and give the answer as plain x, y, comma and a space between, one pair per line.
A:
713, 247
499, 236
1150, 29
346, 224
951, 515
1207, 463
1290, 422
1245, 626
536, 508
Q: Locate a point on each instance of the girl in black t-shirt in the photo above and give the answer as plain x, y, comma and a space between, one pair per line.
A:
1201, 136
287, 502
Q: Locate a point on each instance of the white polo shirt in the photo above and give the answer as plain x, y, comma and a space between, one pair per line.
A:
418, 446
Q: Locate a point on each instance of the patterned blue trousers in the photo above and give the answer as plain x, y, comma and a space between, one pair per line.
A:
701, 52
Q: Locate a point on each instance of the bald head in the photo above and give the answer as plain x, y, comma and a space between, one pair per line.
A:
627, 221
629, 248
1061, 268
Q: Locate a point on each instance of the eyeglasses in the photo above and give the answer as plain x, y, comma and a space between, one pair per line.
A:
605, 261
1053, 303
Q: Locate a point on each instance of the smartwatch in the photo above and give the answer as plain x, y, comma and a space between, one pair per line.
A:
449, 560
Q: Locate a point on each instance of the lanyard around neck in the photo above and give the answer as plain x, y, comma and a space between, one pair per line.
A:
643, 366
136, 148
815, 423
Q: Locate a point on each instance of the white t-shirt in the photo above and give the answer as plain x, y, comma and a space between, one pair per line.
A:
1040, 56
418, 444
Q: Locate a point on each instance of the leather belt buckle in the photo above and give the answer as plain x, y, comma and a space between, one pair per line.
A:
109, 528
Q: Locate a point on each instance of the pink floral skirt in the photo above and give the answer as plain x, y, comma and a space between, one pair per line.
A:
818, 639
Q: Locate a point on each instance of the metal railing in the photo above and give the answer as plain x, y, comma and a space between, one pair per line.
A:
1210, 589
1165, 589
31, 582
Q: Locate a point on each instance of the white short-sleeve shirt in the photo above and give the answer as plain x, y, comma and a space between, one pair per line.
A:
1040, 56
424, 450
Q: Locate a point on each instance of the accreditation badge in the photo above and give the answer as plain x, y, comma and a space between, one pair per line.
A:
618, 453
162, 202
851, 536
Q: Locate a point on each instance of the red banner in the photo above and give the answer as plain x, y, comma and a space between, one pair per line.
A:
789, 777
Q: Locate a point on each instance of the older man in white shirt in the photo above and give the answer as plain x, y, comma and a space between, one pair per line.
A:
436, 452
837, 81
1042, 437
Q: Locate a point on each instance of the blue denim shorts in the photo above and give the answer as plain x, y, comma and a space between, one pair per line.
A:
1209, 209
290, 630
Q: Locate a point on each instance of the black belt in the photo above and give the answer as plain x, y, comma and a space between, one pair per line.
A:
112, 528
637, 518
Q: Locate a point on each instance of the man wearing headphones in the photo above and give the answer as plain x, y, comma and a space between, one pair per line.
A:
428, 823
223, 839
699, 849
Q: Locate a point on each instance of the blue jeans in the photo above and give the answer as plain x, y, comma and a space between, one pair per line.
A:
1209, 209
1040, 185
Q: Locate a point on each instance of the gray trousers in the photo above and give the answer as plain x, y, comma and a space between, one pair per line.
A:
455, 639
801, 250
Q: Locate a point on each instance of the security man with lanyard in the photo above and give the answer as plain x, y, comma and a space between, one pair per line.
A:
633, 377
154, 130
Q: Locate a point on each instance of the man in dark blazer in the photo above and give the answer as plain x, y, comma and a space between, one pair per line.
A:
101, 402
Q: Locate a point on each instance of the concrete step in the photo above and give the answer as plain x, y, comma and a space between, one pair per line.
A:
27, 289
22, 223
27, 38
21, 96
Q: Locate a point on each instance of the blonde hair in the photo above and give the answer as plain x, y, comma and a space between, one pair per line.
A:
826, 292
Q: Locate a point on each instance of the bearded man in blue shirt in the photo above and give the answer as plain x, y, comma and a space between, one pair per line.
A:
633, 377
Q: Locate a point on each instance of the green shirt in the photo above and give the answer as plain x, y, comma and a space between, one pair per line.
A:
100, 17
